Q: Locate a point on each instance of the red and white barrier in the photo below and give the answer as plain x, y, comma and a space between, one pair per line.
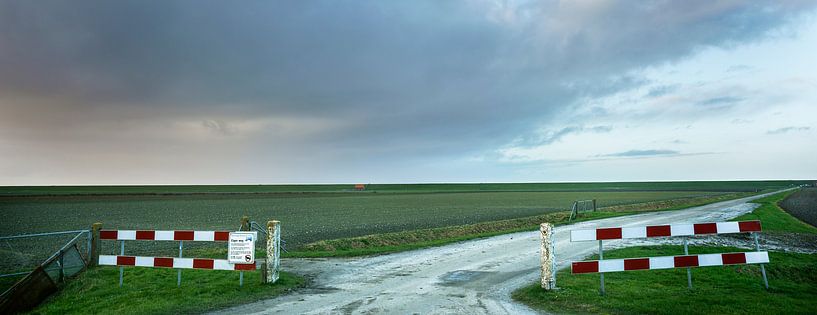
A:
151, 235
665, 230
169, 262
669, 262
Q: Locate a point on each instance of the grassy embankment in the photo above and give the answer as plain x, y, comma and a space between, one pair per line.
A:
154, 291
721, 290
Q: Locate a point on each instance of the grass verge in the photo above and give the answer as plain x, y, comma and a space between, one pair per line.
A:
774, 219
717, 290
154, 291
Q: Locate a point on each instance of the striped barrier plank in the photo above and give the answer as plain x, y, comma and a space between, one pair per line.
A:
664, 230
669, 262
170, 262
155, 235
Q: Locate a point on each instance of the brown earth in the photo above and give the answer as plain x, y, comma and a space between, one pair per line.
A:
803, 205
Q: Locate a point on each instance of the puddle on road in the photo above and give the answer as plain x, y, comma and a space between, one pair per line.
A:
458, 277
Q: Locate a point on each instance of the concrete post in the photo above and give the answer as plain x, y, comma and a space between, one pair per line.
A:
548, 258
93, 259
273, 264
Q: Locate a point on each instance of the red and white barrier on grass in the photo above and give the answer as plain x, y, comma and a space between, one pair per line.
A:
602, 266
151, 235
669, 262
665, 231
170, 262
179, 263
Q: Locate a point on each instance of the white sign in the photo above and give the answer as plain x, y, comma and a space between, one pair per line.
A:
241, 249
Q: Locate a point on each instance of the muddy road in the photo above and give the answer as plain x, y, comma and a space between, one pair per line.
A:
473, 277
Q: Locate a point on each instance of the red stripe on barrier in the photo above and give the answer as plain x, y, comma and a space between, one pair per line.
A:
637, 264
145, 235
749, 226
108, 235
585, 267
686, 261
706, 228
202, 263
163, 262
221, 236
183, 235
659, 230
608, 234
126, 260
244, 266
733, 258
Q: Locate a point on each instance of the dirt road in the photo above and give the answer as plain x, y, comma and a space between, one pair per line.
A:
473, 277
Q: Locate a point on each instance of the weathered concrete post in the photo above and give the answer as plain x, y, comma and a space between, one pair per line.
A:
548, 257
273, 264
93, 259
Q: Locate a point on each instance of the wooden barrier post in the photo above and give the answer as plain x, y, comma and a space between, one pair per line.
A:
245, 223
93, 259
548, 258
273, 264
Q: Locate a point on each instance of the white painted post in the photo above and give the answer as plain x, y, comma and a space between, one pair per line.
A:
548, 257
273, 264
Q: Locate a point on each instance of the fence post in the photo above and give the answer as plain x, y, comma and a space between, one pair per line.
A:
762, 267
601, 274
93, 259
548, 258
245, 223
689, 270
273, 262
594, 205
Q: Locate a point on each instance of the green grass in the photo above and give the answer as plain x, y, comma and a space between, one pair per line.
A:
717, 290
154, 291
774, 219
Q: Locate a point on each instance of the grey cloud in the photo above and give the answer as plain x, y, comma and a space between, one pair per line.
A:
642, 153
396, 80
218, 126
787, 129
723, 101
553, 136
741, 121
661, 90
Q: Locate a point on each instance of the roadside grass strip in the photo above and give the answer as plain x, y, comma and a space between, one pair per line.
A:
736, 289
154, 291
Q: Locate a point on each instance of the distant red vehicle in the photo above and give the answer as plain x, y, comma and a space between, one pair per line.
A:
360, 187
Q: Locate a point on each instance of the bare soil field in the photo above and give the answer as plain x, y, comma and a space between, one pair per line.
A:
803, 205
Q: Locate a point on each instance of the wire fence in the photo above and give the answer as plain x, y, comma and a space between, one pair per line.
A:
20, 254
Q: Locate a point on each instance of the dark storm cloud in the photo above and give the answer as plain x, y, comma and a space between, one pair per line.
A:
336, 78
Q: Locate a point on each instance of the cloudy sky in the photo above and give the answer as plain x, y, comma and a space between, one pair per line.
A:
208, 92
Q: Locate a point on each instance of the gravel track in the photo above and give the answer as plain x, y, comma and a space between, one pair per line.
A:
472, 277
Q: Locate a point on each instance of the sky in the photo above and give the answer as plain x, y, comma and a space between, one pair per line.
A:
267, 92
